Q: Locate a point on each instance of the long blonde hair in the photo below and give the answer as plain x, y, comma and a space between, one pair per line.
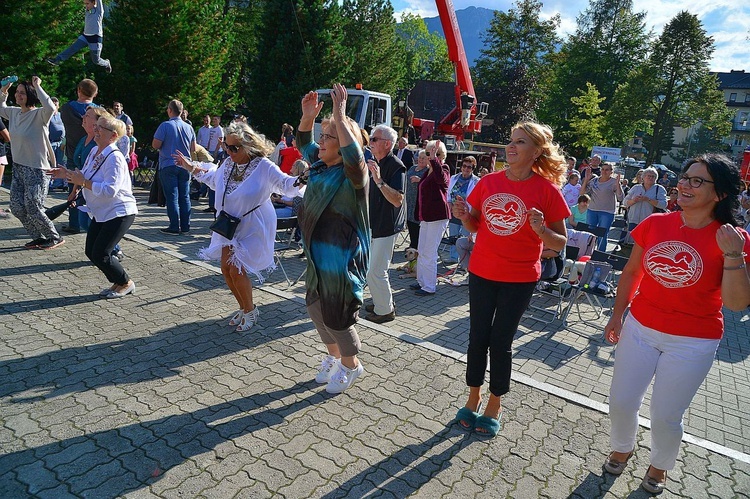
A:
254, 143
551, 164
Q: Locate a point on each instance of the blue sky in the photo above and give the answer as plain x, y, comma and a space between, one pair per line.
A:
727, 21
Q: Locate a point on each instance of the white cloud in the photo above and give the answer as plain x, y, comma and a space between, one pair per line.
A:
728, 21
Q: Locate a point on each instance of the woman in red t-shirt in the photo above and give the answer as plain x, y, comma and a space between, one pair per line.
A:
514, 212
684, 266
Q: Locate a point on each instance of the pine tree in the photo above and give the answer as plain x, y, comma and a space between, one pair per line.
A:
168, 50
300, 49
519, 46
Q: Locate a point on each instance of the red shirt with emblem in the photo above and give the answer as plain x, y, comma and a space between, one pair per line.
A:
507, 249
680, 292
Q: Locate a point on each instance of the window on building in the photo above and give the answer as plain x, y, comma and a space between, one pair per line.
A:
737, 140
747, 97
733, 97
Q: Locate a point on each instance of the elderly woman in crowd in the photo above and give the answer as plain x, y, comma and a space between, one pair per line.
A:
243, 184
105, 181
335, 230
684, 267
433, 213
644, 198
413, 177
32, 156
515, 213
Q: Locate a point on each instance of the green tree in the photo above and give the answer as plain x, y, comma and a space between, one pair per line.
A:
24, 46
519, 48
372, 50
166, 50
609, 43
682, 91
588, 121
425, 54
300, 49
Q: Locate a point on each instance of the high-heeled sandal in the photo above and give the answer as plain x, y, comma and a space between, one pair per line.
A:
236, 318
248, 320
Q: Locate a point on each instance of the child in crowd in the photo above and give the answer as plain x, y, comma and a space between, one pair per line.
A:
92, 37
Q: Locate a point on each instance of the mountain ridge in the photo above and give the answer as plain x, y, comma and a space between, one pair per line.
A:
473, 22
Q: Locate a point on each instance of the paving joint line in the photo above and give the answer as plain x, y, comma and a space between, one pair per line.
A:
517, 377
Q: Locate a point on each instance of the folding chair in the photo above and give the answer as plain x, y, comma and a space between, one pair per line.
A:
286, 228
557, 288
598, 284
620, 227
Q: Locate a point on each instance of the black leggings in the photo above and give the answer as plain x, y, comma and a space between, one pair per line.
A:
101, 240
413, 234
495, 311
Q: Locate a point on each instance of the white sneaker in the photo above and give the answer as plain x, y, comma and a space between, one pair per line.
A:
343, 378
328, 367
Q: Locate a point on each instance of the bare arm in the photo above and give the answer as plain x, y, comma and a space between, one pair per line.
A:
735, 282
626, 287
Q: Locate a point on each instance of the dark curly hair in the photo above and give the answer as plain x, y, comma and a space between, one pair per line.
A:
726, 178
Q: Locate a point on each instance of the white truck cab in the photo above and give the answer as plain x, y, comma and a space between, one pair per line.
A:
365, 107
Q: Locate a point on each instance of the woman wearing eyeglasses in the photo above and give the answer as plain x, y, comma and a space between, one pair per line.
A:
105, 181
243, 184
684, 266
335, 230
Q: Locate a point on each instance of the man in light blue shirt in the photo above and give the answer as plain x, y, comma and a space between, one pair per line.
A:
175, 135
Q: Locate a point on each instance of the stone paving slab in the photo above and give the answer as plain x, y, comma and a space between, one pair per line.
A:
576, 359
153, 396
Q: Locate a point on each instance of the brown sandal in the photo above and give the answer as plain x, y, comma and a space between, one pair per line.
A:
654, 485
616, 467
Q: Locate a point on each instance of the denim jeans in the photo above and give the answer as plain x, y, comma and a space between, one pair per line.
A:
457, 230
600, 219
176, 184
95, 48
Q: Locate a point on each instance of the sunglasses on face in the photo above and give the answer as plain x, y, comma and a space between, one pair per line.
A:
374, 140
233, 148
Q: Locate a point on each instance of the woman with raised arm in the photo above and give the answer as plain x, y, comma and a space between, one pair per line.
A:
515, 213
32, 158
243, 184
684, 266
335, 231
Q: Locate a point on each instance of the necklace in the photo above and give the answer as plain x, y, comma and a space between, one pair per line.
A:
685, 224
519, 179
237, 175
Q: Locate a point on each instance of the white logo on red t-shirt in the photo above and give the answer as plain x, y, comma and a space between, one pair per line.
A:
505, 213
673, 264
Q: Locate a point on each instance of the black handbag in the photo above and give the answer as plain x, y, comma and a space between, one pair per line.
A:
57, 210
225, 224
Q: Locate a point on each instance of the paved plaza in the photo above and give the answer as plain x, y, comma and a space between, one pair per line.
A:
152, 395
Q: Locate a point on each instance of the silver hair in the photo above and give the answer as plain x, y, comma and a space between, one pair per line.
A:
388, 132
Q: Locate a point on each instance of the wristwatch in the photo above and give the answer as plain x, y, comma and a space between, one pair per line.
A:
380, 184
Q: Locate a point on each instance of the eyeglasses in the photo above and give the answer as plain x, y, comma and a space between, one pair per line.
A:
470, 167
324, 137
98, 126
232, 147
375, 139
695, 182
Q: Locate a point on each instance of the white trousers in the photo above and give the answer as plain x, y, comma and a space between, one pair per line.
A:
678, 365
381, 253
430, 234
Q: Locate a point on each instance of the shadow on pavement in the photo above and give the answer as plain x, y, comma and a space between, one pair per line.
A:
397, 474
157, 356
42, 268
137, 455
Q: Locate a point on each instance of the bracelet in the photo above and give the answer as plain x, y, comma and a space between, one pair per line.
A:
735, 255
738, 267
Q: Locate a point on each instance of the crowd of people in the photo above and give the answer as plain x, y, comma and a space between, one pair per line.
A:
354, 192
